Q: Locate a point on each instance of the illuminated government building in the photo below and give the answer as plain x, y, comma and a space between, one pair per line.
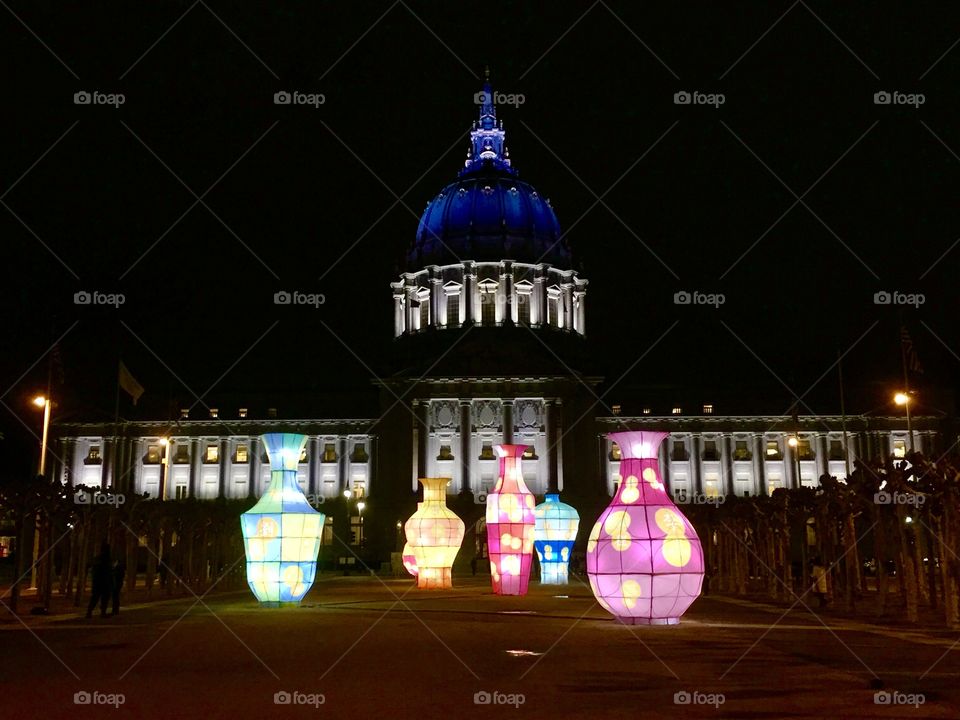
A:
489, 317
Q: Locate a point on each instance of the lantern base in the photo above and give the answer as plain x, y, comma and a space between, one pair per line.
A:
434, 578
280, 604
648, 621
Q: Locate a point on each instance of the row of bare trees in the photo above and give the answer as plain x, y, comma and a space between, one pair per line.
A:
177, 547
888, 537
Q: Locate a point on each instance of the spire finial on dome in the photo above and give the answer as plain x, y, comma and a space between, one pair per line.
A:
487, 136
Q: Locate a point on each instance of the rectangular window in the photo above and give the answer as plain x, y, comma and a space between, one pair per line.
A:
773, 450
212, 454
486, 451
453, 310
523, 308
181, 492
836, 450
708, 409
710, 450
677, 410
94, 454
153, 454
424, 314
741, 450
359, 454
488, 306
553, 311
804, 450
899, 448
679, 450
241, 456
329, 453
711, 485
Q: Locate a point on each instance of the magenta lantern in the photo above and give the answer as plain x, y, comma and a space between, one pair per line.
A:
644, 558
510, 524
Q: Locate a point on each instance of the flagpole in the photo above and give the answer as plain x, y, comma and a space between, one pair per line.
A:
906, 384
843, 415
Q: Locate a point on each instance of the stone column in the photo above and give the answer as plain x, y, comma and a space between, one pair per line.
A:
664, 457
106, 462
537, 310
399, 313
465, 436
196, 449
313, 465
421, 431
823, 455
581, 311
790, 466
224, 467
550, 427
343, 464
507, 305
436, 293
696, 463
759, 476
566, 299
726, 462
253, 482
603, 446
507, 421
469, 287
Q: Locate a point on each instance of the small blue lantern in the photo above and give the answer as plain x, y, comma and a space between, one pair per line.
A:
554, 534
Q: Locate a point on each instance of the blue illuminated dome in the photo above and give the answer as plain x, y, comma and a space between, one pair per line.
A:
488, 213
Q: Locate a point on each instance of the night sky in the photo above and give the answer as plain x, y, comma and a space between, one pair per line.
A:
300, 198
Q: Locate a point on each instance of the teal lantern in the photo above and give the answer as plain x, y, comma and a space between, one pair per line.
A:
281, 533
553, 537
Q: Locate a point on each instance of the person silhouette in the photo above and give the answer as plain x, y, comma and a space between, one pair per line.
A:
119, 572
102, 571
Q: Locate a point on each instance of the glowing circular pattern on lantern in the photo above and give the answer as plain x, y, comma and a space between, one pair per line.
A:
281, 533
555, 531
644, 559
409, 559
510, 525
434, 533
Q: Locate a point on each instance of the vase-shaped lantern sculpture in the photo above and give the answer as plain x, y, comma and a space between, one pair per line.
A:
510, 525
644, 559
408, 558
434, 532
554, 534
281, 533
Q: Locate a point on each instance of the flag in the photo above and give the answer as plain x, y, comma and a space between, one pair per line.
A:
129, 383
911, 362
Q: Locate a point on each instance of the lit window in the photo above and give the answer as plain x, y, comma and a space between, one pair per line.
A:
272, 413
741, 451
242, 412
646, 411
93, 455
530, 453
773, 449
214, 413
453, 310
616, 409
615, 452
708, 409
445, 453
303, 455
899, 448
212, 454
329, 453
677, 410
183, 453
184, 413
241, 456
486, 451
153, 454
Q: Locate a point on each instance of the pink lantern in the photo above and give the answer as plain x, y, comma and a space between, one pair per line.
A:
644, 559
409, 559
510, 525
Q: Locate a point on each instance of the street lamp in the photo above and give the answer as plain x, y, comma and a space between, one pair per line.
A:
164, 445
44, 402
360, 506
794, 443
902, 398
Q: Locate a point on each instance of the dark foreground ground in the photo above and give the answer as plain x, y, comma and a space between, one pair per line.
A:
369, 648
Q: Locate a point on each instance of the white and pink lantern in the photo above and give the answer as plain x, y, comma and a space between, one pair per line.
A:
510, 525
644, 559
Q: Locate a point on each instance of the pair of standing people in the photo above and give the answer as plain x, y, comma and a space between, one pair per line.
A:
107, 582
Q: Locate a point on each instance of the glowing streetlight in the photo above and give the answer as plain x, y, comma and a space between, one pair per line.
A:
902, 398
43, 402
792, 442
164, 443
347, 494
